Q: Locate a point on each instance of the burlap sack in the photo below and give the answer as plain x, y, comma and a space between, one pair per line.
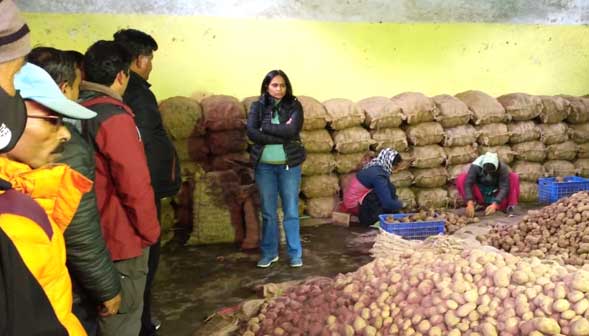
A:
247, 103
554, 109
321, 207
455, 201
381, 112
427, 133
222, 113
352, 140
493, 134
315, 113
318, 164
319, 186
182, 117
223, 142
344, 180
430, 178
579, 133
317, 141
416, 107
188, 169
528, 171
343, 113
485, 109
562, 151
505, 153
523, 131
559, 168
460, 136
394, 138
534, 151
583, 150
402, 179
455, 170
429, 156
461, 154
346, 163
553, 133
451, 111
191, 149
528, 192
521, 106
212, 222
431, 198
407, 196
230, 161
582, 166
579, 109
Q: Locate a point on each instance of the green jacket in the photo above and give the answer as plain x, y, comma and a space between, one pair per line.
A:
88, 259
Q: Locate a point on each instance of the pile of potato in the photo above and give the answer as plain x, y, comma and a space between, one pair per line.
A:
453, 221
559, 231
470, 292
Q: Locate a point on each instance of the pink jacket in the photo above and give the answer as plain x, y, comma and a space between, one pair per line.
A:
354, 195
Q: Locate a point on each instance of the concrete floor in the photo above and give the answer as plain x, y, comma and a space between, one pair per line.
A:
194, 282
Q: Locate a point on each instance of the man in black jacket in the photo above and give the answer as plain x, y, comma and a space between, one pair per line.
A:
96, 282
162, 159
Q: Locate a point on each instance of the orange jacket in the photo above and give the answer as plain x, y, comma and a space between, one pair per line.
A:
58, 190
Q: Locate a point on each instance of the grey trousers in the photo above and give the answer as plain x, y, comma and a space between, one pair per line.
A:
127, 322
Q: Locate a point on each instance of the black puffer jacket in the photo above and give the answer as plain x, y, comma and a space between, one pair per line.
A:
88, 260
262, 132
162, 160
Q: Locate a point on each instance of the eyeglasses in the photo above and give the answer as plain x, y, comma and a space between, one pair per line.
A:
53, 120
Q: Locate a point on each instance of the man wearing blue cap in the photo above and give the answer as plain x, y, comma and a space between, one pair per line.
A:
44, 196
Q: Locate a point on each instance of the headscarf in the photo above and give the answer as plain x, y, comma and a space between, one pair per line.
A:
385, 159
488, 157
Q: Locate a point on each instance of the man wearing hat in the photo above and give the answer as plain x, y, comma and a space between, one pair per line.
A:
22, 299
44, 196
488, 183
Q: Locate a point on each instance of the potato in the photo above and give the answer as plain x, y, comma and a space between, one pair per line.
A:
561, 305
579, 327
487, 329
546, 325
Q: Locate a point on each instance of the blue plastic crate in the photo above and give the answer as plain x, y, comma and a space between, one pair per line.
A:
550, 191
412, 230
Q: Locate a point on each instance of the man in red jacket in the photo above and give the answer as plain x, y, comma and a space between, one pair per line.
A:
123, 187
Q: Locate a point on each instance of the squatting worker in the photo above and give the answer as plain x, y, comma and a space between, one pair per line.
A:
488, 183
370, 192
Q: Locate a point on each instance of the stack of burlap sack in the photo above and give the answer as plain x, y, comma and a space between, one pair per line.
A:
536, 136
319, 185
212, 145
383, 119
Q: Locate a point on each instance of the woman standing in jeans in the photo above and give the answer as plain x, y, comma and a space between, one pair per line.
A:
273, 125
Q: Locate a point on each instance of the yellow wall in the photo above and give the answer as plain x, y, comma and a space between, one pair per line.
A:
351, 60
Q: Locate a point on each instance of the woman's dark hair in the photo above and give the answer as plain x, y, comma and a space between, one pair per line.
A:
489, 168
288, 97
59, 65
104, 60
397, 160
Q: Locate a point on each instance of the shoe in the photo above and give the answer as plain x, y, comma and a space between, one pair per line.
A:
157, 324
296, 262
266, 261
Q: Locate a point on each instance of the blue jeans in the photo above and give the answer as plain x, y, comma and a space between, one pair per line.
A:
273, 180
